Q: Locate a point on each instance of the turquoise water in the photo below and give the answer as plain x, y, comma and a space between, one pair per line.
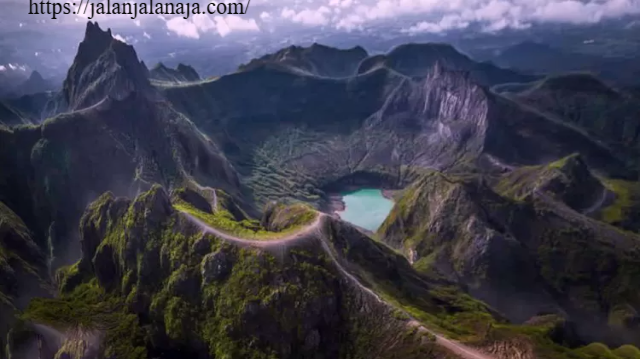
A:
366, 208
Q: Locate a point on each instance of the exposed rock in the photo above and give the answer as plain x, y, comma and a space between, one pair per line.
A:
523, 255
216, 267
103, 67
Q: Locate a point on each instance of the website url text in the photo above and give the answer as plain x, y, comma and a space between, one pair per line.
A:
90, 9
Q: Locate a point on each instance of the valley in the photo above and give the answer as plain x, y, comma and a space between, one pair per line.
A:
319, 203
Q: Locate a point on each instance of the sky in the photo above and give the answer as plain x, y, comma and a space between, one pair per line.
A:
411, 16
38, 42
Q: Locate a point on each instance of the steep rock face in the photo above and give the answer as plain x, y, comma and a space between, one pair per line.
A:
417, 60
317, 60
182, 73
524, 255
103, 67
22, 268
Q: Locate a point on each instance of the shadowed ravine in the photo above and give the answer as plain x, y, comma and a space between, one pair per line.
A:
305, 234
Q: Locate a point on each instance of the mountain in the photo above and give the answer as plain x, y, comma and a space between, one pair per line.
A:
523, 244
182, 219
314, 131
191, 293
182, 73
416, 60
539, 58
103, 67
35, 84
317, 60
610, 114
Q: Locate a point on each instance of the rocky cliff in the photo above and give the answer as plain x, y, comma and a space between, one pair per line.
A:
103, 67
523, 244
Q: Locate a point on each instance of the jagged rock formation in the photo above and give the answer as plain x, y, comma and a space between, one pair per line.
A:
50, 171
103, 67
522, 248
182, 73
317, 60
417, 60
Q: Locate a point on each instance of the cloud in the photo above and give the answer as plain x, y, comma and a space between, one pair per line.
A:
229, 23
119, 37
183, 27
199, 24
3, 68
309, 17
341, 3
265, 16
493, 15
449, 22
14, 67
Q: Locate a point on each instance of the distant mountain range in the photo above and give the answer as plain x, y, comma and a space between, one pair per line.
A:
514, 232
538, 58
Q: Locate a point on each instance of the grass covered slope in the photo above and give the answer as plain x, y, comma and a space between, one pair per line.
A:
521, 249
151, 282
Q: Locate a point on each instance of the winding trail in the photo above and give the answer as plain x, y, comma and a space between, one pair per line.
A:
305, 233
599, 202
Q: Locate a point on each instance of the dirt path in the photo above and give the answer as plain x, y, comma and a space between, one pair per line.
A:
459, 349
598, 203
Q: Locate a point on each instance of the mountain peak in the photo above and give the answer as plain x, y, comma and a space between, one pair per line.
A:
103, 67
35, 76
93, 33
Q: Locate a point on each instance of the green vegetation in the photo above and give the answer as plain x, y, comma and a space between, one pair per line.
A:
290, 219
89, 308
627, 352
159, 286
624, 211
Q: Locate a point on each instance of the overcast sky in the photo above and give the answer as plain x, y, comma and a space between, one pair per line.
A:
414, 16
